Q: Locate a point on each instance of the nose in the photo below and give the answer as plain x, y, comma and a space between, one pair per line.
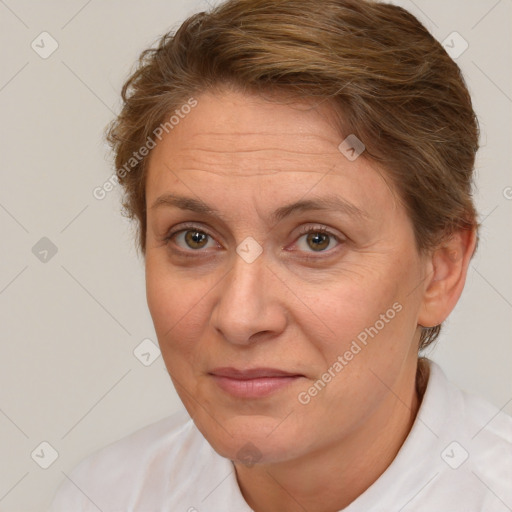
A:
249, 307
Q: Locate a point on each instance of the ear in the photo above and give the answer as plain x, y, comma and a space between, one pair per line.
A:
447, 269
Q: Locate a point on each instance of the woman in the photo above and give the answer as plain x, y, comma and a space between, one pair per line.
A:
301, 175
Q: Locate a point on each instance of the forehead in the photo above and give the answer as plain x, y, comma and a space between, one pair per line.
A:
230, 125
244, 142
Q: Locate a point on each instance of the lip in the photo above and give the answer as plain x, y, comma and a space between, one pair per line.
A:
251, 373
253, 382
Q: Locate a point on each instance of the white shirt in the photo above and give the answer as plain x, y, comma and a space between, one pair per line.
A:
457, 457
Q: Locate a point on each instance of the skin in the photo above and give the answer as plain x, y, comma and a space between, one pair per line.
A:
294, 308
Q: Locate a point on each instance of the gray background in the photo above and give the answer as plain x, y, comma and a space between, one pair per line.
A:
71, 321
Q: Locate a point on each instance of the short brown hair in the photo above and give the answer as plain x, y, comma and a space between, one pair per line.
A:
392, 84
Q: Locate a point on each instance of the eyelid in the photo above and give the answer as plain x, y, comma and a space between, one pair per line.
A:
317, 228
184, 227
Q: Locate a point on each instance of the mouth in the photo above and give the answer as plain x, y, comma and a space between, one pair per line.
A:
253, 382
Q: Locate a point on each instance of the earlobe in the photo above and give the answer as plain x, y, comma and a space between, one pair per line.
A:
448, 266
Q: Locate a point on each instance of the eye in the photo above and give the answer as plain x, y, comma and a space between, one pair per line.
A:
311, 239
319, 239
191, 237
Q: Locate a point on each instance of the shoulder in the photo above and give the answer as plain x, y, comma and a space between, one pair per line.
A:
112, 477
476, 444
492, 423
478, 422
464, 411
489, 451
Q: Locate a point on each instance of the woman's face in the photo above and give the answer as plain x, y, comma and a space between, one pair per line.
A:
321, 302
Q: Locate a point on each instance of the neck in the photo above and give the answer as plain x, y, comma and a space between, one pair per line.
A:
333, 477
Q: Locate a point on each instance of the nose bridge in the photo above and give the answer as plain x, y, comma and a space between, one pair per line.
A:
246, 304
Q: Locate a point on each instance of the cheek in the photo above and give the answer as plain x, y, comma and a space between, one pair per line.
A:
178, 304
366, 343
161, 299
170, 295
367, 315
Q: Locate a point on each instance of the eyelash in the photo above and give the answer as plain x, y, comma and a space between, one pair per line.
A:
304, 231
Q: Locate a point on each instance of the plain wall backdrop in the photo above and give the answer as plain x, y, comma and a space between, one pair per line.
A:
72, 297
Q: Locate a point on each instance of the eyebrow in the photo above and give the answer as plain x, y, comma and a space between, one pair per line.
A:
323, 203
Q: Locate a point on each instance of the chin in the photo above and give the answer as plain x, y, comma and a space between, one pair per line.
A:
251, 438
